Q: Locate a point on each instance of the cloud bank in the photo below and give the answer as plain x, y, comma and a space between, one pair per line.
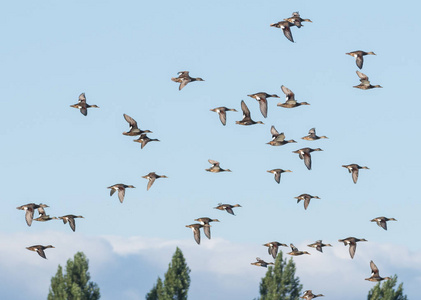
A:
127, 267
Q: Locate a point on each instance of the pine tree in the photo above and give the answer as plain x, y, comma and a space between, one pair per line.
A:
157, 292
279, 282
386, 291
74, 284
176, 283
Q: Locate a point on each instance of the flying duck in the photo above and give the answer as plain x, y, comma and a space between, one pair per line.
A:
222, 112
82, 105
121, 189
304, 153
352, 242
246, 116
358, 55
184, 78
290, 99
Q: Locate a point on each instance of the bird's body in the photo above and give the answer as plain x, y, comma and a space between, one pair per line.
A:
278, 139
358, 55
184, 78
273, 248
365, 83
144, 139
44, 218
71, 220
285, 26
312, 135
227, 207
296, 252
261, 263
246, 116
308, 295
216, 167
277, 173
152, 176
82, 105
263, 103
40, 249
381, 221
121, 189
304, 153
352, 242
222, 112
205, 221
133, 128
30, 209
290, 99
319, 245
296, 20
375, 277
353, 168
196, 231
306, 198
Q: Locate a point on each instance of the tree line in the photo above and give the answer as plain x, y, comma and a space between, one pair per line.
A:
279, 283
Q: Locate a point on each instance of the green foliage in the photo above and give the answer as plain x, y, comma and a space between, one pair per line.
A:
176, 283
280, 282
157, 291
386, 291
74, 284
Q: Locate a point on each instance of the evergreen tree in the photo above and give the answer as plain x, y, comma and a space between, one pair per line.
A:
279, 282
157, 292
386, 291
74, 284
176, 283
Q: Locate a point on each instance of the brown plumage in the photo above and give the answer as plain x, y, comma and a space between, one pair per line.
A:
296, 20
306, 198
152, 176
184, 78
304, 153
381, 221
30, 209
40, 249
205, 221
82, 105
290, 99
319, 245
277, 173
375, 277
312, 135
353, 168
273, 248
121, 189
261, 263
308, 295
144, 139
215, 167
278, 139
222, 112
365, 83
71, 220
227, 207
296, 252
358, 55
263, 103
246, 116
285, 26
133, 128
196, 231
352, 242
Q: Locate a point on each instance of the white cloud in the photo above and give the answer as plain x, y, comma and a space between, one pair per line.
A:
127, 267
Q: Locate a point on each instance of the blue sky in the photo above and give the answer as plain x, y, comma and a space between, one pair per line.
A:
122, 55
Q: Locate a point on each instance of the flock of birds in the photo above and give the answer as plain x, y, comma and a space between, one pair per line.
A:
278, 139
